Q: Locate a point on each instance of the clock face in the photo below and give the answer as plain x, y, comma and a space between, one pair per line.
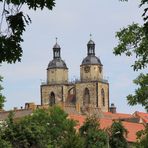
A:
86, 69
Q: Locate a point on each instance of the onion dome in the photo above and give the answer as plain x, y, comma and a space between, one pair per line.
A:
91, 59
57, 62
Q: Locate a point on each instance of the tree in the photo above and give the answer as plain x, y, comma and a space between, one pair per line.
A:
133, 41
13, 24
117, 132
43, 129
142, 138
93, 136
2, 98
141, 94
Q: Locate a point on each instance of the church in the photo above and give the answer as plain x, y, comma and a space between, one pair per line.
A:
90, 92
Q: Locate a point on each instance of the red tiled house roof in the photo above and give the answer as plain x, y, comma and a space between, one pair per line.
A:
132, 128
143, 117
116, 115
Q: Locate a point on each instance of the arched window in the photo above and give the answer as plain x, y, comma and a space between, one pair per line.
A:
86, 98
103, 97
52, 99
71, 97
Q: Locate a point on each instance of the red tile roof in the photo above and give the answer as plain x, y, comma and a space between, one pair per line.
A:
143, 116
116, 115
132, 128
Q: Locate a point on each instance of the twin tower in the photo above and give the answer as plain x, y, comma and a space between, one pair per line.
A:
91, 91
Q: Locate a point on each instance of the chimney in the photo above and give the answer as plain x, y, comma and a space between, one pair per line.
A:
15, 108
112, 108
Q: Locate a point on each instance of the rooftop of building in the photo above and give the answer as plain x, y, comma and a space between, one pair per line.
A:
132, 128
104, 118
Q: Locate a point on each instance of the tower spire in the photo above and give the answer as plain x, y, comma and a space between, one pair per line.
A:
91, 46
56, 50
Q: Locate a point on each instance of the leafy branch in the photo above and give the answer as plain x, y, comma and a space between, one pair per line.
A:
13, 24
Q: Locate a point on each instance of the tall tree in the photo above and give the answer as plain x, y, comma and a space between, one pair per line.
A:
117, 133
93, 136
133, 41
2, 98
12, 25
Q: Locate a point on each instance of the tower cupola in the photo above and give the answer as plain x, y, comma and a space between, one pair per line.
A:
57, 71
56, 51
91, 67
91, 47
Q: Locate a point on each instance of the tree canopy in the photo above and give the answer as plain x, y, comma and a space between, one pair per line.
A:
13, 23
93, 136
117, 133
43, 129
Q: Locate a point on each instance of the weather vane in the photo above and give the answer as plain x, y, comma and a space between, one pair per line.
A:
56, 39
90, 36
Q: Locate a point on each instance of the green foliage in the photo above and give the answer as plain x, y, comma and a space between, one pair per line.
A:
43, 129
133, 41
2, 98
93, 136
4, 144
142, 139
117, 132
15, 21
141, 94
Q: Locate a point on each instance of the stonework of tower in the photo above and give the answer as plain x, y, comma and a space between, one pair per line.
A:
90, 92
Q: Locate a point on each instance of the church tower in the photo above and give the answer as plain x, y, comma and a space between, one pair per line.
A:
57, 71
91, 67
91, 92
54, 90
93, 89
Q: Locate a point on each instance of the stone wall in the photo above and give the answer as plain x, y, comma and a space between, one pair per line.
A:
57, 76
60, 91
91, 72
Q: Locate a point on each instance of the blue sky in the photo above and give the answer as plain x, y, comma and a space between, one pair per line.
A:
72, 22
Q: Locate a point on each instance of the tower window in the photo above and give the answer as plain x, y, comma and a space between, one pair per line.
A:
52, 99
86, 98
103, 97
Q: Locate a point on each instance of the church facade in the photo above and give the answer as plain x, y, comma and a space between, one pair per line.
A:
91, 91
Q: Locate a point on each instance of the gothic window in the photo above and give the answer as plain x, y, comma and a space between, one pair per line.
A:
52, 99
103, 97
86, 98
71, 98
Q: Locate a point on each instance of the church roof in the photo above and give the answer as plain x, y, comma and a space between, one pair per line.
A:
91, 42
57, 63
56, 46
91, 60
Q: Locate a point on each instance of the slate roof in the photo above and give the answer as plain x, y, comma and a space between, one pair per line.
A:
91, 60
57, 63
